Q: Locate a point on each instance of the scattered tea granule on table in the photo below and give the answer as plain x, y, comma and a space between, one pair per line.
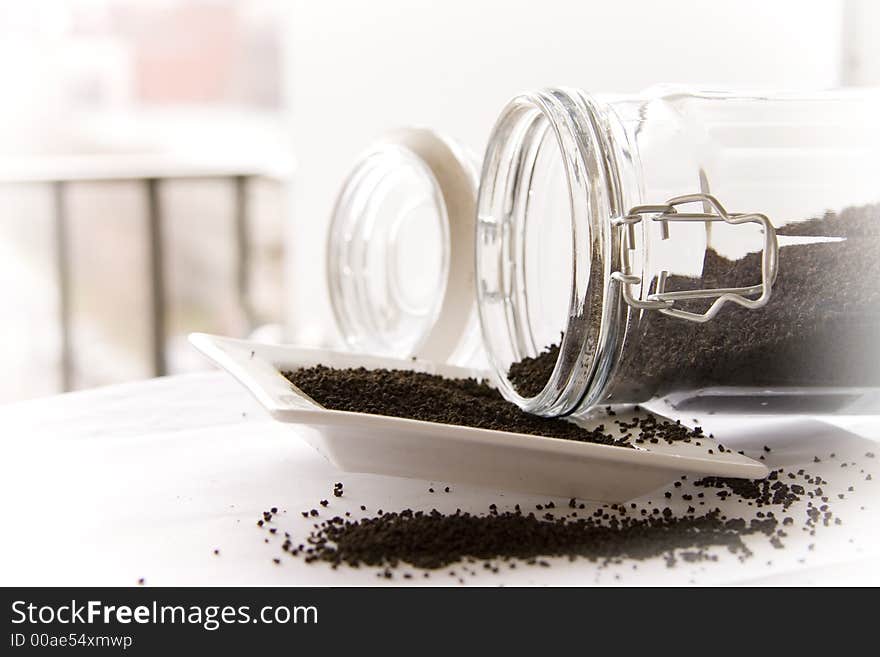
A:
608, 534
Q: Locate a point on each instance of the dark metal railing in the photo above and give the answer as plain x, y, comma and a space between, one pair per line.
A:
152, 183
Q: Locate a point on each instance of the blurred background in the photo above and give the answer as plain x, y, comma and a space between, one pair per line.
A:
169, 166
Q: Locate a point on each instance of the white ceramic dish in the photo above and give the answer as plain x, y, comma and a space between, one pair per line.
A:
358, 442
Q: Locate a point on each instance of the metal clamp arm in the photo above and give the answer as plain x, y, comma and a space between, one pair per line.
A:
664, 301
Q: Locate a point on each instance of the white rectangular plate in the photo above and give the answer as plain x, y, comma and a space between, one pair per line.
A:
359, 442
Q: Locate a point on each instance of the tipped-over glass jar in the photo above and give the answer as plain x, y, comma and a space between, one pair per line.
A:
685, 245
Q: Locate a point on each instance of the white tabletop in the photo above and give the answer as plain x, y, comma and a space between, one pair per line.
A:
146, 480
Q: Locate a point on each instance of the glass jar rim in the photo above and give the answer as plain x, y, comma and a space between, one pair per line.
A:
586, 137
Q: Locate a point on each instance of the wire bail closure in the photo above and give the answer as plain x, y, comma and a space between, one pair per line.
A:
663, 301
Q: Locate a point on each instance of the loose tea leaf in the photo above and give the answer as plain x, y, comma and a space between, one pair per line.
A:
433, 398
607, 534
433, 540
820, 327
530, 375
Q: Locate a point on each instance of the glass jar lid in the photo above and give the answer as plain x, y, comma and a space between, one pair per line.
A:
400, 248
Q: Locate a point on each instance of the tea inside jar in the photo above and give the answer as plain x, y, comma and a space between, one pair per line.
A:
819, 329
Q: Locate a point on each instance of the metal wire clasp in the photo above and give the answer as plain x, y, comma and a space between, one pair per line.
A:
663, 301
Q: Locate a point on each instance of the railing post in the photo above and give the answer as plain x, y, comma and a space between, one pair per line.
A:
62, 273
157, 276
243, 249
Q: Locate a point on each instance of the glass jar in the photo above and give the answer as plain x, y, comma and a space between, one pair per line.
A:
684, 245
400, 264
